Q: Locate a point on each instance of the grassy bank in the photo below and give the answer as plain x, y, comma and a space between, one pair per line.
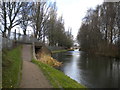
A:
57, 78
11, 67
58, 51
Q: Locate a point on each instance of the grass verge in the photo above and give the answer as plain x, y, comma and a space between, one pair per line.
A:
11, 67
57, 78
58, 51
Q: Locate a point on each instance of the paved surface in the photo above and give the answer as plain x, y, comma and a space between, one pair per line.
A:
32, 77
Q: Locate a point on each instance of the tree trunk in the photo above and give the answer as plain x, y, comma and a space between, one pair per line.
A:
15, 35
9, 30
5, 21
8, 33
106, 32
43, 36
111, 35
4, 34
24, 31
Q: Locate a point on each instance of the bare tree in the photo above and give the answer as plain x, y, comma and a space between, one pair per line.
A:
10, 19
3, 16
100, 29
40, 15
25, 16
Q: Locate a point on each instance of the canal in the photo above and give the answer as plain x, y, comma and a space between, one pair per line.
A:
91, 71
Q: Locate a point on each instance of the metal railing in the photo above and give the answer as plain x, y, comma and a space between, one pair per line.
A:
17, 38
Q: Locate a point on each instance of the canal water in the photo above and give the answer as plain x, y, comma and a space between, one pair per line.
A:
91, 71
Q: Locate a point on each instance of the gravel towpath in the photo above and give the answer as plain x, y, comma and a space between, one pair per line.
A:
32, 76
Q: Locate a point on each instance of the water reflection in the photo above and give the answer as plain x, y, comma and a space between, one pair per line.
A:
91, 71
71, 69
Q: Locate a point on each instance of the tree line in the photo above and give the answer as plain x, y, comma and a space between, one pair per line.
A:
41, 16
100, 30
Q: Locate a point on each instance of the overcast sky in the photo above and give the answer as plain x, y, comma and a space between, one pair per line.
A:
73, 11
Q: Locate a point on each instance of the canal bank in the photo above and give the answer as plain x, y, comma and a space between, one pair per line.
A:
57, 78
60, 51
46, 63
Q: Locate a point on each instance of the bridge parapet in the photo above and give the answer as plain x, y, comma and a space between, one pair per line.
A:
22, 39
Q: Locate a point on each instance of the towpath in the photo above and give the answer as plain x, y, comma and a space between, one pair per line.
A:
32, 76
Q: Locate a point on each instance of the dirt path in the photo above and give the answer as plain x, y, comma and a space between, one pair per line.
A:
32, 77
